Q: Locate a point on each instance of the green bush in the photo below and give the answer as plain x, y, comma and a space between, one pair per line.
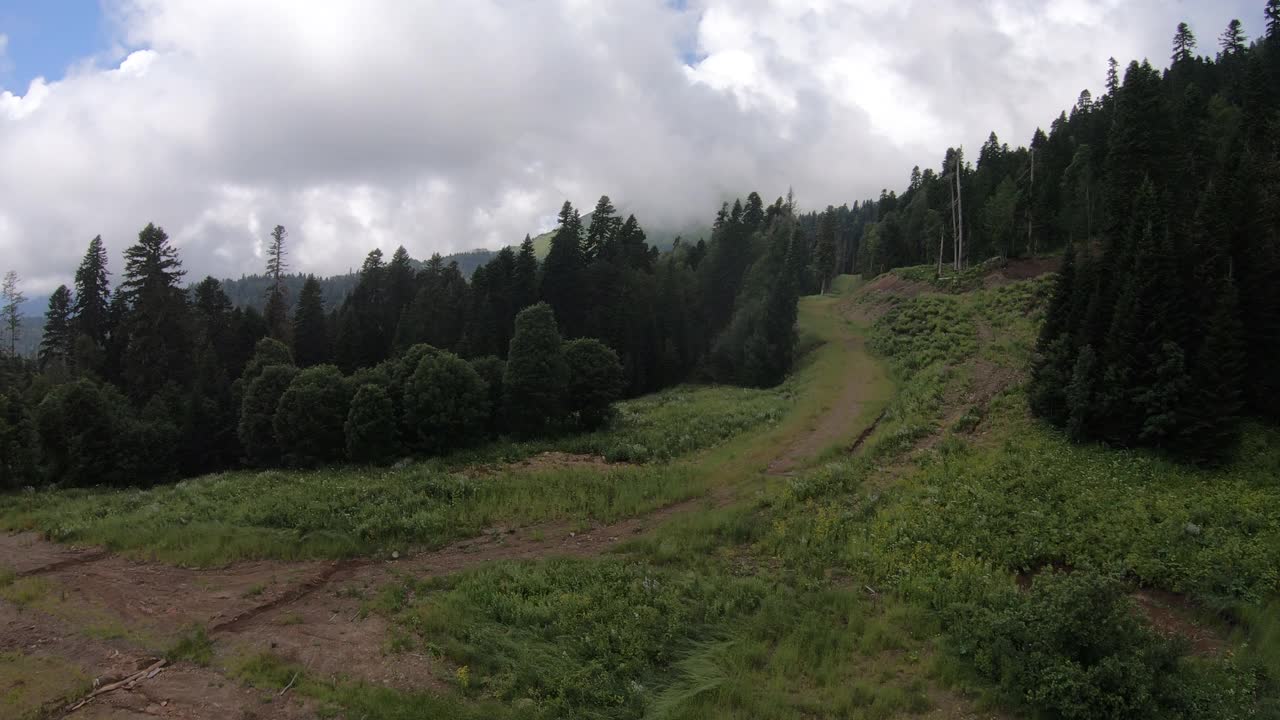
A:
309, 417
257, 413
1074, 647
371, 428
446, 403
536, 373
595, 381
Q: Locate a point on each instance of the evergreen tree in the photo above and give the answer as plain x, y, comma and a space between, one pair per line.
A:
1052, 366
604, 226
1212, 428
310, 331
446, 403
536, 372
92, 295
1113, 76
257, 413
309, 418
156, 325
1079, 394
400, 284
1184, 44
371, 428
56, 345
1232, 41
18, 456
562, 273
276, 312
824, 256
1272, 14
11, 312
525, 279
595, 381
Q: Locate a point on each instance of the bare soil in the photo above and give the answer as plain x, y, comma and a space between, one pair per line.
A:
1173, 615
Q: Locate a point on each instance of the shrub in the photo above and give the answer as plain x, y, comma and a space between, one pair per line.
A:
595, 381
1074, 648
445, 403
371, 428
309, 417
258, 410
536, 374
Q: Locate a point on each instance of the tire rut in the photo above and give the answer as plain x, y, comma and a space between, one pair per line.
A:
83, 559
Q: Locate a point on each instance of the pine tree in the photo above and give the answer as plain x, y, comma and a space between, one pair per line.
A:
56, 345
215, 321
11, 312
1272, 13
1113, 77
92, 295
1080, 394
536, 372
1184, 44
310, 331
156, 324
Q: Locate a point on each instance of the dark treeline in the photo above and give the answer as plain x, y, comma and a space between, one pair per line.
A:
252, 290
148, 379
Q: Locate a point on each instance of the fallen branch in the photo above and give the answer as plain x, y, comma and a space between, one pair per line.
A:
128, 682
291, 682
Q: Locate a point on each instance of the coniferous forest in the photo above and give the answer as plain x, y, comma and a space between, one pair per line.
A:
146, 379
1163, 195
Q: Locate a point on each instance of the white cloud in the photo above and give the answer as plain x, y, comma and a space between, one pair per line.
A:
445, 126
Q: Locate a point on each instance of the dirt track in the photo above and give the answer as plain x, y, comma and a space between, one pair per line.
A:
98, 617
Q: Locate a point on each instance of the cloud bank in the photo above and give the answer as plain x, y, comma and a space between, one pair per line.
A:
447, 126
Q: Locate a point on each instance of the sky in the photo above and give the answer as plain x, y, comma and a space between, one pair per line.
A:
445, 126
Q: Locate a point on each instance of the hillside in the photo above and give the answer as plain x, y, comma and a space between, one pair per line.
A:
909, 501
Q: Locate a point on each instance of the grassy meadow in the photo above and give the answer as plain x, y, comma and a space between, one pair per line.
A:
967, 561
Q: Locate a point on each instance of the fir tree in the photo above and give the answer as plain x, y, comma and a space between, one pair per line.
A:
310, 331
562, 273
536, 373
56, 345
824, 256
1212, 414
156, 325
604, 226
92, 295
525, 280
1272, 14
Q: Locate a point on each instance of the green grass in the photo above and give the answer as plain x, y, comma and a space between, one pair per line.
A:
32, 686
347, 511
